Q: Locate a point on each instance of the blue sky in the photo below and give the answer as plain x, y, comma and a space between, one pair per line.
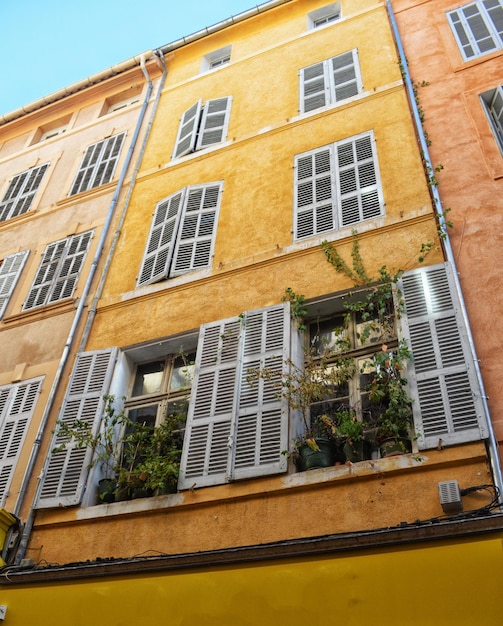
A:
49, 44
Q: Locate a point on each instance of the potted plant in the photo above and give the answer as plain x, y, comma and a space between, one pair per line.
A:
387, 392
350, 432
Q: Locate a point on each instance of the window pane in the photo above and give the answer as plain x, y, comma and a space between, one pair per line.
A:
148, 378
183, 372
146, 415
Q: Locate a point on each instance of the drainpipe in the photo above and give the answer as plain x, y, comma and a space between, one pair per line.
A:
492, 441
71, 335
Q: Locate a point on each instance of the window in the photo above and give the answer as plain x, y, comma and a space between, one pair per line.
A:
337, 186
330, 81
182, 233
478, 27
325, 15
10, 270
17, 403
98, 165
493, 104
21, 191
203, 126
58, 271
53, 133
216, 59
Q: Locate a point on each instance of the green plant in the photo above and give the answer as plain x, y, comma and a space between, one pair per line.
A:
297, 306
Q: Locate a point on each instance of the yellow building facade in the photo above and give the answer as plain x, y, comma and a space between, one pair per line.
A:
270, 137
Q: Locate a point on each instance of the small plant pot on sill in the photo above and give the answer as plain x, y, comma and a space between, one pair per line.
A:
394, 446
309, 459
357, 451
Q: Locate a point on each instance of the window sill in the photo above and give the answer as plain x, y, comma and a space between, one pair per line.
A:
42, 311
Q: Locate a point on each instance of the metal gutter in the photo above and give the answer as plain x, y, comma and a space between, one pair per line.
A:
134, 61
492, 441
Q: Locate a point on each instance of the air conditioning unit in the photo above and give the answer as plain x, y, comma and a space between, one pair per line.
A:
450, 496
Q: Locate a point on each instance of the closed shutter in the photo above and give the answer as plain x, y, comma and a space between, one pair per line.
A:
187, 131
235, 430
357, 178
70, 267
194, 245
214, 123
98, 164
478, 27
66, 472
314, 193
10, 270
46, 274
159, 249
314, 87
17, 403
447, 402
21, 191
345, 75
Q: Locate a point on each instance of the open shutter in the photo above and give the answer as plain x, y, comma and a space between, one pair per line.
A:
261, 432
187, 131
345, 75
66, 472
214, 123
447, 400
314, 193
17, 403
10, 270
206, 450
196, 237
159, 250
314, 87
234, 429
358, 180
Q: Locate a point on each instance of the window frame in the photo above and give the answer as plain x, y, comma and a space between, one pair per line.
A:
98, 164
461, 28
59, 270
326, 197
324, 16
494, 115
21, 191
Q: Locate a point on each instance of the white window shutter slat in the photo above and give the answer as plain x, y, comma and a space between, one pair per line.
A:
17, 403
358, 180
314, 87
159, 249
314, 200
447, 402
187, 130
66, 472
345, 75
21, 191
69, 270
196, 236
98, 164
206, 450
10, 270
214, 122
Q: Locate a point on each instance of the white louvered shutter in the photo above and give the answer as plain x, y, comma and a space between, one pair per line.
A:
235, 430
58, 271
478, 27
446, 396
159, 250
98, 164
187, 130
21, 191
314, 193
345, 75
196, 236
10, 270
17, 403
214, 122
66, 472
261, 432
212, 407
359, 190
314, 87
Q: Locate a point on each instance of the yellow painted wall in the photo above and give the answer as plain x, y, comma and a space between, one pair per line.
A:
442, 583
